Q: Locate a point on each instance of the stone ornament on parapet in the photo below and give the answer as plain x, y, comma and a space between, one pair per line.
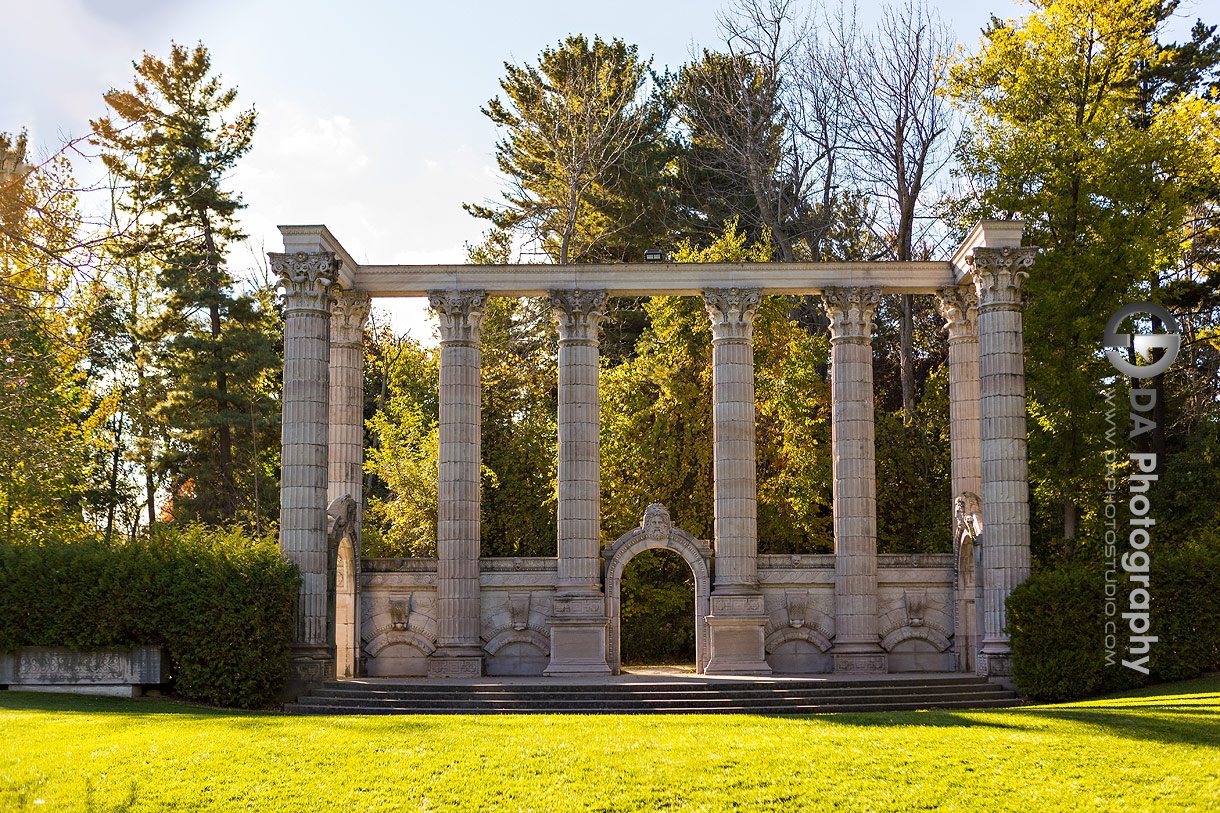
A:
306, 280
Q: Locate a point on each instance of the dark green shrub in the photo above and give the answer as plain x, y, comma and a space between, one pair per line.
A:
219, 602
1057, 623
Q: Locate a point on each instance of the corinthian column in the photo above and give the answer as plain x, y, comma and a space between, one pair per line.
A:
306, 281
347, 317
737, 619
959, 305
998, 276
579, 621
857, 646
459, 454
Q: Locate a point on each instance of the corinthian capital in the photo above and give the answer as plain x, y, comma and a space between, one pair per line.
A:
851, 311
347, 316
999, 274
461, 313
306, 280
578, 313
959, 304
732, 311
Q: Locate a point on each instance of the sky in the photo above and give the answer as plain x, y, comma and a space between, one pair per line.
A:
368, 112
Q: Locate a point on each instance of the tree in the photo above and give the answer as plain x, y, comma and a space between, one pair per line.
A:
583, 154
1057, 139
169, 142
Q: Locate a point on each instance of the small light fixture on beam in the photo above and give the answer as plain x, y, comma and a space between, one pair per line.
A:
654, 255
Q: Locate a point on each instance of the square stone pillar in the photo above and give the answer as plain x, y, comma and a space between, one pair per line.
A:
578, 619
460, 650
857, 645
959, 305
306, 281
737, 612
998, 276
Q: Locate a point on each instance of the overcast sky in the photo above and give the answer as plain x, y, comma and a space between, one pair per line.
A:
368, 112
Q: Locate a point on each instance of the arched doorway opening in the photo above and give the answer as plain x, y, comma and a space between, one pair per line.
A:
656, 531
657, 607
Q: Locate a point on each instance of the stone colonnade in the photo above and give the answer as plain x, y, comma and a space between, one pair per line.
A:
323, 429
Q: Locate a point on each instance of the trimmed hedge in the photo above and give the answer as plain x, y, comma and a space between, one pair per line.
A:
1057, 623
219, 602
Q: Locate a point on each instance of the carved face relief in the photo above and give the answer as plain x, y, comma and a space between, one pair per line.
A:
656, 522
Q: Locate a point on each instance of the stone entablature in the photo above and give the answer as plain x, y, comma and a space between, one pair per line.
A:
108, 671
851, 611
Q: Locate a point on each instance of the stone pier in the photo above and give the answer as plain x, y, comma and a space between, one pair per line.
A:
459, 649
306, 280
579, 622
857, 645
737, 611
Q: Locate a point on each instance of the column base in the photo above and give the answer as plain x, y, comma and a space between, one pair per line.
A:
308, 666
994, 661
735, 630
579, 630
861, 663
456, 662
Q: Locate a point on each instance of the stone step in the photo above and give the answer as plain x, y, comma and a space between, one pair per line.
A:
825, 708
660, 685
641, 704
687, 696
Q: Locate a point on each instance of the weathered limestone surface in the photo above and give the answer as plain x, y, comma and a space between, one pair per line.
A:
108, 671
959, 306
459, 454
738, 615
579, 624
306, 280
857, 647
998, 277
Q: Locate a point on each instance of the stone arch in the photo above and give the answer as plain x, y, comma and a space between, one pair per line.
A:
343, 585
907, 633
509, 636
785, 634
392, 637
657, 531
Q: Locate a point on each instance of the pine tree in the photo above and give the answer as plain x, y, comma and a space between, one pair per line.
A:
169, 142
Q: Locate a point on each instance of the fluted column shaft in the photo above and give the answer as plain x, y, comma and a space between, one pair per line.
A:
857, 646
306, 281
346, 471
459, 455
998, 277
732, 313
959, 306
578, 315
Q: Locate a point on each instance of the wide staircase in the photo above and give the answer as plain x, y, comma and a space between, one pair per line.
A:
680, 696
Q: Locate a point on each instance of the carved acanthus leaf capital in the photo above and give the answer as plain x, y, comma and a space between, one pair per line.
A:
999, 274
306, 280
851, 312
461, 313
959, 304
348, 314
578, 313
732, 311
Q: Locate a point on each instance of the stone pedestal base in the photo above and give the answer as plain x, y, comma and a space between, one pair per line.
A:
861, 663
308, 667
456, 662
735, 630
995, 663
579, 629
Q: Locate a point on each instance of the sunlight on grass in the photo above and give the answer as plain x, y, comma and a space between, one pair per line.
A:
1142, 750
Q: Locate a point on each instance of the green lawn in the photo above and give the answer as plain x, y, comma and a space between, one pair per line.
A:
1153, 750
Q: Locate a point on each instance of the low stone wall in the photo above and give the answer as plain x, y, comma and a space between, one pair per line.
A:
115, 672
914, 608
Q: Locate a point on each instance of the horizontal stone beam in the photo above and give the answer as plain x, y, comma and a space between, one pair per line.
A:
652, 279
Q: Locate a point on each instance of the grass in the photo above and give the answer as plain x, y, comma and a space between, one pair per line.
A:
1156, 749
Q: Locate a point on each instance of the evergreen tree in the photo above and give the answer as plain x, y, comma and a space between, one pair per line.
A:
169, 142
